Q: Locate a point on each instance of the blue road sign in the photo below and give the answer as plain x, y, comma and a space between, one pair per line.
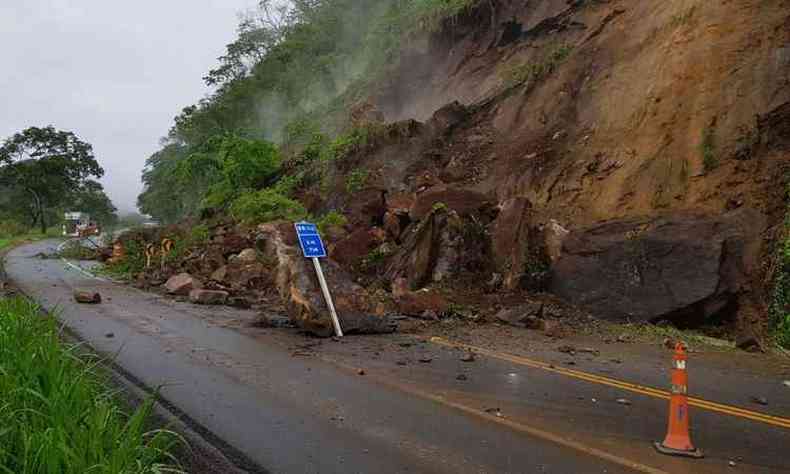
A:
310, 240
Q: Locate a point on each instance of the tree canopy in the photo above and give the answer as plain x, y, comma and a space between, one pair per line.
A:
291, 77
44, 170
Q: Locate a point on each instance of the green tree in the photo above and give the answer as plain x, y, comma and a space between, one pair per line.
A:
47, 165
91, 198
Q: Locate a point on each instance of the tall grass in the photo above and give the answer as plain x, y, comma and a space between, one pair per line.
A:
57, 414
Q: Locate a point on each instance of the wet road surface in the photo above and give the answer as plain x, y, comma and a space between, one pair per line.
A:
316, 414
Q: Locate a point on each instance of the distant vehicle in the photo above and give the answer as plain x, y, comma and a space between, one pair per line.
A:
79, 224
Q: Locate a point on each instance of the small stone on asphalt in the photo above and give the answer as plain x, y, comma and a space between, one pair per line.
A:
426, 360
109, 334
623, 401
760, 400
461, 377
361, 372
401, 362
468, 357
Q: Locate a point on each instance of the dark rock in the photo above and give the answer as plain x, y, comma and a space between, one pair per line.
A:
683, 267
468, 357
748, 342
109, 335
525, 315
462, 377
366, 208
239, 302
354, 247
760, 400
441, 246
208, 297
566, 349
182, 284
297, 284
87, 297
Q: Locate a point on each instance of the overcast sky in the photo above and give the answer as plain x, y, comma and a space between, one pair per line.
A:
115, 72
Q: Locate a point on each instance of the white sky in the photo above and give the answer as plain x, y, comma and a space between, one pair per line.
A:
115, 72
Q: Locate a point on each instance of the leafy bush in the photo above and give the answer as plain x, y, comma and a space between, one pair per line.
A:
133, 263
780, 302
57, 412
332, 218
356, 180
265, 206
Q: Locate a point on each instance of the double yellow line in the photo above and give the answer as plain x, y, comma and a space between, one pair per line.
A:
611, 382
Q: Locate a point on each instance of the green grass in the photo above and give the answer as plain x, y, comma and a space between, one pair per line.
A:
779, 310
57, 414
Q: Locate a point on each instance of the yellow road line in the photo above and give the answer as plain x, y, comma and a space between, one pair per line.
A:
562, 440
611, 382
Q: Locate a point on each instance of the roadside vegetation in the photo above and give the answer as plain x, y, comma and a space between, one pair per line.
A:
56, 412
780, 300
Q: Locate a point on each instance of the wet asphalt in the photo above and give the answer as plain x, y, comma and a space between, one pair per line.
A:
292, 414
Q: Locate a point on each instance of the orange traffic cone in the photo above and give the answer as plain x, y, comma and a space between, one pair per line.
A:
678, 441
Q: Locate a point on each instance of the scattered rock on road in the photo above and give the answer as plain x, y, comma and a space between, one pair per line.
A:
786, 383
526, 315
87, 297
182, 284
462, 377
208, 297
623, 401
566, 349
468, 357
760, 400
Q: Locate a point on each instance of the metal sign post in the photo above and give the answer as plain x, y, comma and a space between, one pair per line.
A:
313, 248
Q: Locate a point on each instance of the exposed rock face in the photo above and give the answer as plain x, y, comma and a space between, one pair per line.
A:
298, 286
182, 284
681, 267
87, 297
463, 201
208, 297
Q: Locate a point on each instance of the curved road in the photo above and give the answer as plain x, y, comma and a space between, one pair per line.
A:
290, 413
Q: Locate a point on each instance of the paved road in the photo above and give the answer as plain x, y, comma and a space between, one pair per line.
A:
294, 414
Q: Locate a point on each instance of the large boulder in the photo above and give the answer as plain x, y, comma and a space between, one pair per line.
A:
208, 297
87, 296
681, 267
298, 286
518, 245
182, 284
440, 247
